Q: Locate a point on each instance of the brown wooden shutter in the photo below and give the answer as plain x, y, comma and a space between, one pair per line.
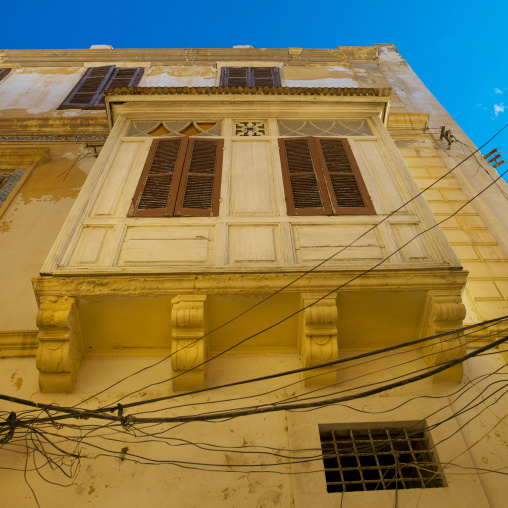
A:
158, 186
347, 190
201, 179
88, 89
304, 184
235, 76
3, 73
250, 76
128, 76
266, 76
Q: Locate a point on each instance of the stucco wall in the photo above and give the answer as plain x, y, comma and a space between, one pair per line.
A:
28, 228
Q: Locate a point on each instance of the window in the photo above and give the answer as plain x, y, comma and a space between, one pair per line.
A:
88, 93
378, 459
3, 73
8, 180
321, 177
181, 177
250, 76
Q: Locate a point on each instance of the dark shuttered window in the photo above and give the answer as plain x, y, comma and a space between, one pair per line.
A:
181, 177
88, 93
3, 73
250, 76
321, 177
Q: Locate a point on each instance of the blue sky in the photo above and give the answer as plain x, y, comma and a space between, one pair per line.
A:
455, 48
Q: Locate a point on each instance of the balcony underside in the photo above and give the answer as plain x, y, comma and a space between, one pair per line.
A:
162, 314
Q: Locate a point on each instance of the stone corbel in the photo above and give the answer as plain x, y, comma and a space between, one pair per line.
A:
60, 344
188, 347
318, 338
444, 313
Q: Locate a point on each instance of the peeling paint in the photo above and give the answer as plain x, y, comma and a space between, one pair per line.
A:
269, 499
47, 183
5, 226
191, 75
326, 82
38, 90
320, 76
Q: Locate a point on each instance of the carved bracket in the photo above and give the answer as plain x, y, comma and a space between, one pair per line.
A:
318, 338
188, 347
444, 313
60, 344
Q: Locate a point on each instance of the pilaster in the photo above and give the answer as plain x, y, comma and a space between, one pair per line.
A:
188, 346
318, 338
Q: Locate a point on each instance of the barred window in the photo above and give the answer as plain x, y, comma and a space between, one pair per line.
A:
378, 459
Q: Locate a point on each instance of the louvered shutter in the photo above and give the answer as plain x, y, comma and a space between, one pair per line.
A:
235, 76
158, 186
303, 179
347, 190
89, 88
128, 76
250, 76
3, 73
265, 76
201, 179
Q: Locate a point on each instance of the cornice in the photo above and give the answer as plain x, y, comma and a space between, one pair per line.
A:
268, 101
184, 56
53, 129
243, 282
250, 90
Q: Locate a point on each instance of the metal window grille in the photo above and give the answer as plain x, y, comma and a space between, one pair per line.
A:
378, 459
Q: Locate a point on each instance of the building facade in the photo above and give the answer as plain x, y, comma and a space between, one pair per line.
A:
173, 221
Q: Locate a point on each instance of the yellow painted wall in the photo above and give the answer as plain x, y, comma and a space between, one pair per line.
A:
28, 228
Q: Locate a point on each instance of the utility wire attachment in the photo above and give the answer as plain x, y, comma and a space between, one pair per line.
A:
494, 162
447, 135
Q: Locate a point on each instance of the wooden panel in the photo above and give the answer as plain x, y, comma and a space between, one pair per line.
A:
166, 245
415, 250
304, 184
252, 184
265, 76
318, 242
235, 76
347, 190
158, 186
121, 77
252, 244
114, 185
381, 175
90, 246
88, 89
200, 183
4, 72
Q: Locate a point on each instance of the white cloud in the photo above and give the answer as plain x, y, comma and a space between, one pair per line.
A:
497, 90
498, 108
